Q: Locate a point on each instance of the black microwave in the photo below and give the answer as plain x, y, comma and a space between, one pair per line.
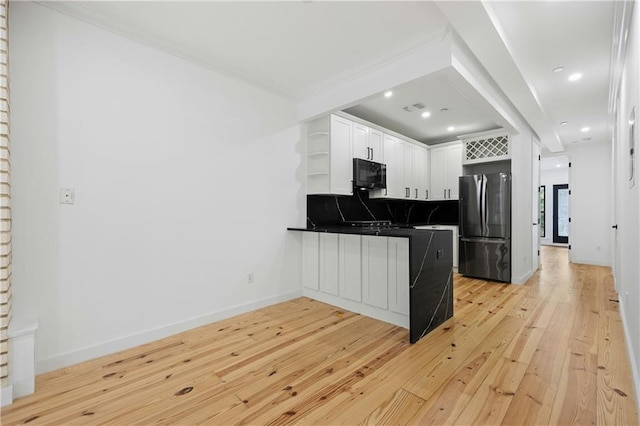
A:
369, 174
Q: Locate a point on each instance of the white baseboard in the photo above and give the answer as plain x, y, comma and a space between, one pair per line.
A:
522, 278
591, 262
630, 353
361, 308
554, 244
126, 342
6, 396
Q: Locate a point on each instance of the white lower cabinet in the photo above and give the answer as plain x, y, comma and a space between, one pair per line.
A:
365, 274
310, 260
374, 271
328, 264
349, 269
398, 275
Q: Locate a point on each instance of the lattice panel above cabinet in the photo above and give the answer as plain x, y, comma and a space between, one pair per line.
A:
487, 148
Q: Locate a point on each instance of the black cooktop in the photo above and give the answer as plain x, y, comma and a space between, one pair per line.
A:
368, 223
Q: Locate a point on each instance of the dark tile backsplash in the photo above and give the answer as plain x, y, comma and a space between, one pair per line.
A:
323, 210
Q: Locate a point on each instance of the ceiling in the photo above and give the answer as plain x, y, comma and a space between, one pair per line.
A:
301, 49
440, 97
575, 35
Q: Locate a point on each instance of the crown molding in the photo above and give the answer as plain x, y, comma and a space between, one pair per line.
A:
397, 53
83, 12
80, 11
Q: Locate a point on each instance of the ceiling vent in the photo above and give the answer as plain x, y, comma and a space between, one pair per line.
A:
408, 109
418, 105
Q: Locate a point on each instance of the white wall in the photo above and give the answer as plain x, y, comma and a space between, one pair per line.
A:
590, 203
521, 208
185, 181
548, 178
627, 208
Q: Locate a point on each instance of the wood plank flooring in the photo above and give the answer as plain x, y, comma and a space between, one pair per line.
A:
549, 352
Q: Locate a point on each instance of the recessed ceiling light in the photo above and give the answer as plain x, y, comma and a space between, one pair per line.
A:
585, 129
558, 165
451, 128
559, 69
388, 94
575, 77
563, 123
426, 114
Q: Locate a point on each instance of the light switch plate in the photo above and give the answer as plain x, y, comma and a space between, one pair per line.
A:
67, 196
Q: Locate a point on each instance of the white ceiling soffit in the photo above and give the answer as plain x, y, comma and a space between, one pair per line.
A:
473, 23
558, 162
297, 49
444, 97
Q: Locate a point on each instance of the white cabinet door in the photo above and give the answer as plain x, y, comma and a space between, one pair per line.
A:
392, 157
454, 170
310, 260
375, 145
349, 267
341, 160
409, 170
422, 173
374, 271
394, 147
360, 141
438, 174
328, 264
366, 143
398, 278
446, 167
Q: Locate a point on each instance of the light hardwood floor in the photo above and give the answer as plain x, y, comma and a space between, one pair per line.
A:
549, 352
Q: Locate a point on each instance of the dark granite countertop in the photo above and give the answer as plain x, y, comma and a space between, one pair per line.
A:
383, 232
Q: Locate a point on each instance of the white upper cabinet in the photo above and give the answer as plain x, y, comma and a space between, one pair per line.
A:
360, 140
422, 173
446, 167
454, 170
334, 141
407, 170
329, 158
367, 143
392, 155
416, 167
409, 155
375, 144
486, 147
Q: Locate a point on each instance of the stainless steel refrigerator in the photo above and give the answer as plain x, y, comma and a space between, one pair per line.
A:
485, 226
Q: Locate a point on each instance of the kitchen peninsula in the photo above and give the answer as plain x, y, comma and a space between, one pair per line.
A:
399, 275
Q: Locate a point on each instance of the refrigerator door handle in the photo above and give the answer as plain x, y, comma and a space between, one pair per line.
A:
484, 240
483, 206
